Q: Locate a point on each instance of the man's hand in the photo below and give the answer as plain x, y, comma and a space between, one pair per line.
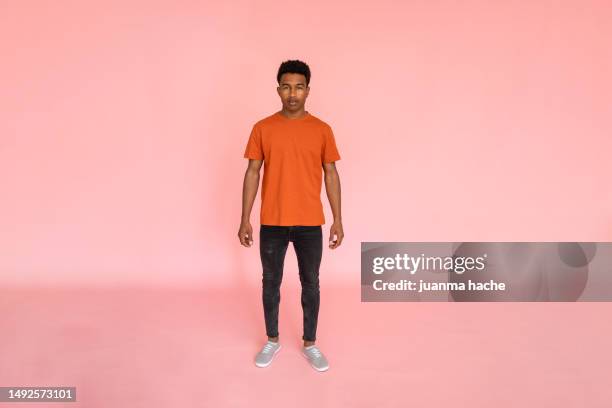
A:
245, 234
336, 229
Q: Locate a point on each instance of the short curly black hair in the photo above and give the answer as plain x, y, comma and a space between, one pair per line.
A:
294, 67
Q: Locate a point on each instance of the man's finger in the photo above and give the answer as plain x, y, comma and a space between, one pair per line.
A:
244, 239
335, 244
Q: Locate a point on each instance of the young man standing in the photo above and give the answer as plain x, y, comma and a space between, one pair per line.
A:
295, 148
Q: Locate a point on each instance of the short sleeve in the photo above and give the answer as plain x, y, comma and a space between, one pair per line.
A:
330, 151
253, 149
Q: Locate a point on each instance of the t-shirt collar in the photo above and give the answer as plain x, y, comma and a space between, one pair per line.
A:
283, 117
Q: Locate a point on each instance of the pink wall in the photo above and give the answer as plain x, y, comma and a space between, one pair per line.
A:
123, 124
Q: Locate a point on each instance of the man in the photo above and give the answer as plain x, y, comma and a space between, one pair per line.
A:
295, 148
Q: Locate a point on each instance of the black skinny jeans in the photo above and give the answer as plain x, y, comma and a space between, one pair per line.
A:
308, 245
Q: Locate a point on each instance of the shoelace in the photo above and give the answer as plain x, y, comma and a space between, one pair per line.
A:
314, 351
267, 348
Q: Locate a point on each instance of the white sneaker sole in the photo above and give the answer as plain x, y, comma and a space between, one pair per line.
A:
269, 362
318, 369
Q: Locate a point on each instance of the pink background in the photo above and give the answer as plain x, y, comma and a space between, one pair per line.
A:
122, 128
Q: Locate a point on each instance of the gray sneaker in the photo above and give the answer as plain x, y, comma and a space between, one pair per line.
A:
315, 357
267, 353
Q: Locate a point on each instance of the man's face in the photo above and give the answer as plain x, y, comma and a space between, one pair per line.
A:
293, 91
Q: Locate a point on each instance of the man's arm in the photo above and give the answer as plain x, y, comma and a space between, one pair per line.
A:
332, 187
249, 192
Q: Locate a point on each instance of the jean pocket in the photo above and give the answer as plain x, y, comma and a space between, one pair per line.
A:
310, 230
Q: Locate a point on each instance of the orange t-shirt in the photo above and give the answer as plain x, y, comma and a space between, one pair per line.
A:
293, 151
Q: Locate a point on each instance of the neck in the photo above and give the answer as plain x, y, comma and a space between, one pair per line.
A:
293, 115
